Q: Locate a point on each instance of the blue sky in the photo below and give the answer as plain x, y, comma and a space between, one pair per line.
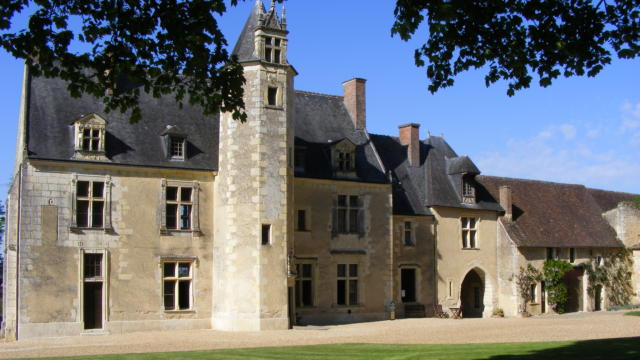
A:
579, 130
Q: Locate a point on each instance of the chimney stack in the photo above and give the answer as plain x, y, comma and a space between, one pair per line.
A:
355, 101
410, 136
506, 202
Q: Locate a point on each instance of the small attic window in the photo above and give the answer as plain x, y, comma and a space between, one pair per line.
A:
346, 161
272, 49
177, 147
468, 190
89, 140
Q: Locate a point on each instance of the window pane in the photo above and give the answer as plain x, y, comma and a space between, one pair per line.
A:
353, 221
169, 294
184, 294
169, 269
407, 225
342, 292
92, 265
472, 239
86, 139
277, 42
472, 223
342, 270
342, 200
464, 238
96, 214
272, 96
353, 292
82, 189
185, 194
183, 269
172, 221
172, 193
266, 229
353, 201
465, 222
82, 213
185, 217
407, 238
342, 221
302, 220
353, 270
276, 56
267, 40
306, 270
98, 189
267, 54
307, 294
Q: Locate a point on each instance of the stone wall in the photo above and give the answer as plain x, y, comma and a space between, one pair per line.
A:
322, 247
50, 282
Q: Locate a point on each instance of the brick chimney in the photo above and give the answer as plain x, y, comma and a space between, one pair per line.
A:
410, 136
355, 101
506, 202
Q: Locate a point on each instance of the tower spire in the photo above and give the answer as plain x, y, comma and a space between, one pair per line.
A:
284, 17
273, 5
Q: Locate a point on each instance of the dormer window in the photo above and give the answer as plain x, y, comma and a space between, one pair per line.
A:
89, 139
272, 49
177, 147
346, 161
175, 143
468, 191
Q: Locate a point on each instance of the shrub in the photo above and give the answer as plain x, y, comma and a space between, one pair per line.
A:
614, 274
554, 272
498, 312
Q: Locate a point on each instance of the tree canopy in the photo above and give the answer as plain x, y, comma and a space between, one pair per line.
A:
165, 46
516, 40
175, 46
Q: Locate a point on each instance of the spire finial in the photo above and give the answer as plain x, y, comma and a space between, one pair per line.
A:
273, 5
284, 16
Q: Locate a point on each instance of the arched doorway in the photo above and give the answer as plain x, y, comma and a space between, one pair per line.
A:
472, 294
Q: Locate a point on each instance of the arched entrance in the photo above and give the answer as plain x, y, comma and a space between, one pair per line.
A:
472, 294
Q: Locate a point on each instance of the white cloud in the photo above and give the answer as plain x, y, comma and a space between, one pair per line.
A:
595, 155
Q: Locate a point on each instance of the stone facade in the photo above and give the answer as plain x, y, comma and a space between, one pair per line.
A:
298, 216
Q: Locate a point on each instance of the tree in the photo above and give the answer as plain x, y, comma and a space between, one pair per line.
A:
517, 39
525, 279
161, 46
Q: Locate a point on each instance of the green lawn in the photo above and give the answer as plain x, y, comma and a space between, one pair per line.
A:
628, 348
633, 313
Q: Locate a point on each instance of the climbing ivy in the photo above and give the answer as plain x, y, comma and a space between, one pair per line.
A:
527, 277
614, 275
554, 272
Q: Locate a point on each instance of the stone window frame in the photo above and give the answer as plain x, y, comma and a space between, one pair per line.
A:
105, 278
92, 122
468, 190
273, 49
313, 263
195, 207
411, 233
106, 217
349, 207
193, 265
279, 98
178, 153
348, 278
343, 155
466, 240
307, 220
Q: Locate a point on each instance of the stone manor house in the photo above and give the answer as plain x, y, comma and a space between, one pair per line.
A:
298, 216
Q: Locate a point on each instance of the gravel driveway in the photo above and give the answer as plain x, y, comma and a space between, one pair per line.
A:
577, 326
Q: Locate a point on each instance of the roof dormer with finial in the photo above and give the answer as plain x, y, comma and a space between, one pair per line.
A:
264, 36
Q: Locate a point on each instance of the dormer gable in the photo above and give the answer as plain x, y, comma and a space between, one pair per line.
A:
343, 156
463, 171
90, 138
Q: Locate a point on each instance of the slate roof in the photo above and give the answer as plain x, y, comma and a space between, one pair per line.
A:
548, 214
608, 200
51, 112
321, 121
444, 171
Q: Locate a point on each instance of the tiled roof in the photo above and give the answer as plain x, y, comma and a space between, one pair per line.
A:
548, 214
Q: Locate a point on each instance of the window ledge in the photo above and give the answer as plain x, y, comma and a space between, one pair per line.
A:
303, 231
475, 248
274, 107
187, 311
358, 306
409, 245
175, 232
81, 230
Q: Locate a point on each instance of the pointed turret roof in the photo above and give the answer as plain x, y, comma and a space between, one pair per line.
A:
245, 46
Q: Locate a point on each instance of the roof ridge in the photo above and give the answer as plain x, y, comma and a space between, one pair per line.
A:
535, 180
318, 94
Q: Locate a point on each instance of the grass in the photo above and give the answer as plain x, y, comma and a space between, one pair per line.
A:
633, 313
611, 349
